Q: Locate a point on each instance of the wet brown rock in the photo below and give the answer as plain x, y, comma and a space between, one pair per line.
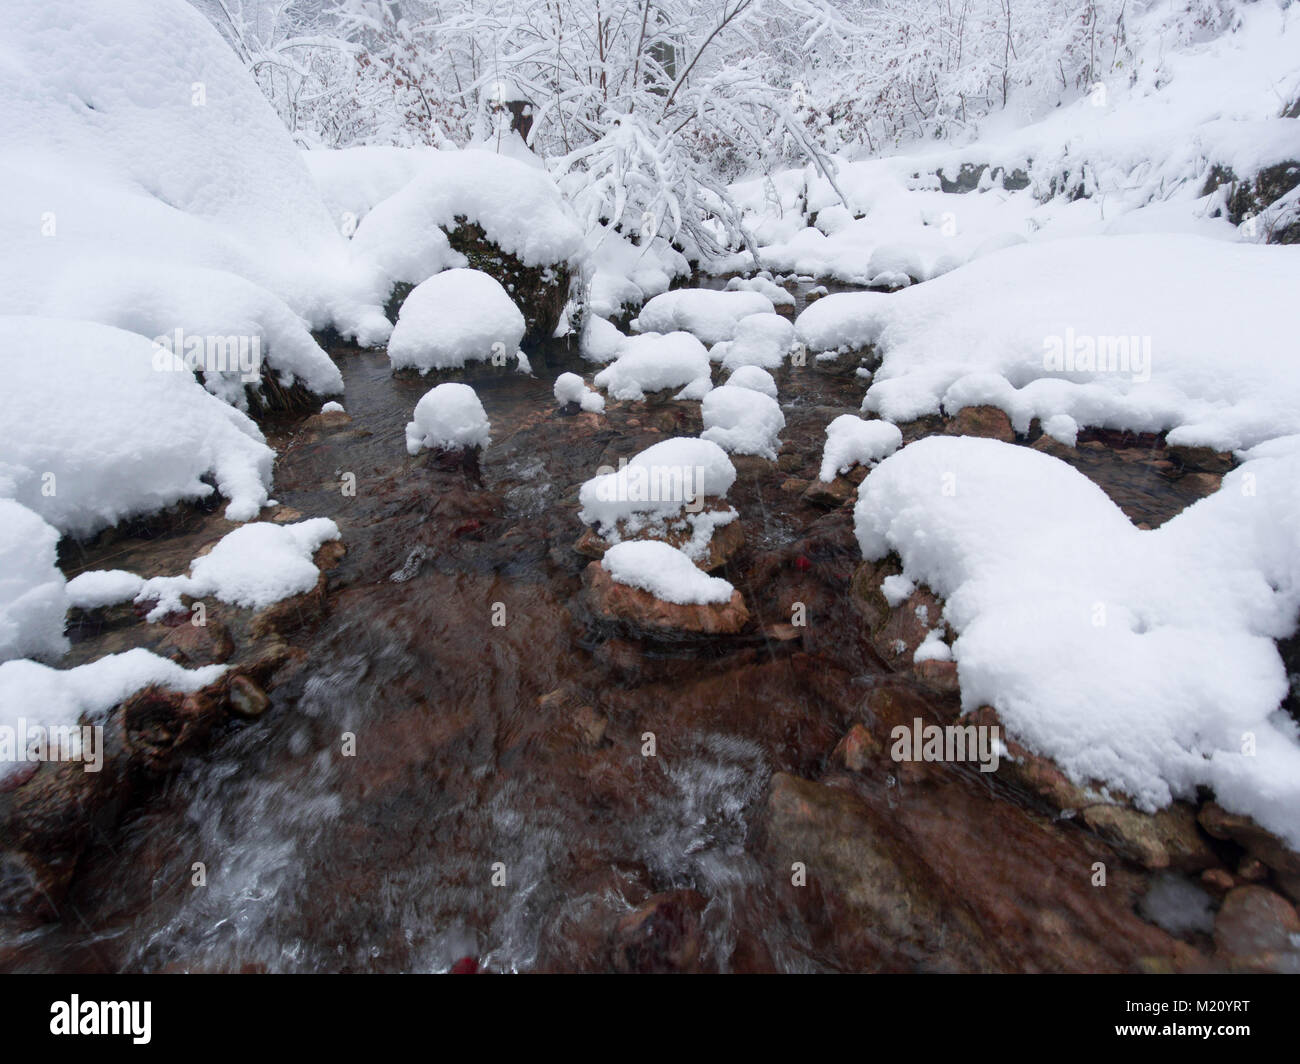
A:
568, 703
612, 601
941, 675
1203, 459
986, 421
247, 699
197, 644
162, 726
1252, 870
1218, 881
1169, 838
590, 725
327, 419
879, 905
1257, 842
782, 633
1202, 483
1047, 445
836, 493
906, 627
856, 750
753, 465
1038, 775
1254, 929
292, 613
795, 485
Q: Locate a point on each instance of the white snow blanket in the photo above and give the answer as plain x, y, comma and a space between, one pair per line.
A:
1145, 333
1141, 659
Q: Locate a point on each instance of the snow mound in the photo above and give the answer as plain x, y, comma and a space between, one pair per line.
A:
450, 417
97, 588
655, 484
652, 362
91, 432
32, 596
755, 379
455, 317
764, 285
352, 181
254, 566
708, 314
228, 329
131, 128
601, 340
742, 421
49, 698
1103, 331
518, 206
1142, 659
851, 441
761, 340
665, 572
570, 388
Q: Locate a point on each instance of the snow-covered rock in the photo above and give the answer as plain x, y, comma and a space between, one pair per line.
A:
600, 340
653, 362
755, 379
254, 566
761, 340
570, 388
32, 596
1141, 659
453, 318
673, 490
764, 285
518, 207
49, 698
91, 432
851, 441
96, 588
708, 314
449, 417
742, 421
624, 274
665, 572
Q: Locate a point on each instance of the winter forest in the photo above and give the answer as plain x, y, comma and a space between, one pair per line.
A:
712, 486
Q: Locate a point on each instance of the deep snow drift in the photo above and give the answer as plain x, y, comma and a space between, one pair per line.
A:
1145, 333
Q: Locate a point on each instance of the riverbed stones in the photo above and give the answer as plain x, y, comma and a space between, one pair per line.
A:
1258, 930
987, 421
1257, 842
247, 699
1166, 839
